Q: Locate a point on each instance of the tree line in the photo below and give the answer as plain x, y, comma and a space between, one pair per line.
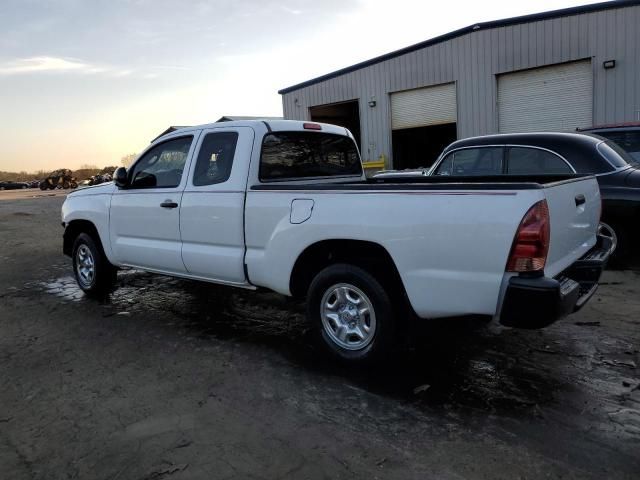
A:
85, 171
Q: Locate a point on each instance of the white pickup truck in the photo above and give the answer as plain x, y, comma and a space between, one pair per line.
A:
285, 205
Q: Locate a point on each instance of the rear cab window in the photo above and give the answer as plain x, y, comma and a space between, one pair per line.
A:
300, 155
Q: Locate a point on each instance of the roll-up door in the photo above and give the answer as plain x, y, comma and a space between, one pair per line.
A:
423, 106
553, 98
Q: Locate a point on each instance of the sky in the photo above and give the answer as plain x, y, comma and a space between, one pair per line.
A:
90, 81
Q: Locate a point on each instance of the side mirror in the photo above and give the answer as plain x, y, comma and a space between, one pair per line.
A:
120, 177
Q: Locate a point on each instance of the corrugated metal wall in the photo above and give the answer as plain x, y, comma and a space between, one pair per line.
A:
474, 60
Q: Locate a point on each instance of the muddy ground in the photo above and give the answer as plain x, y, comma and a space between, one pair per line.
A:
169, 379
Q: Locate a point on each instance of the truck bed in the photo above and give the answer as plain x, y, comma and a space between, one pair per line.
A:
496, 182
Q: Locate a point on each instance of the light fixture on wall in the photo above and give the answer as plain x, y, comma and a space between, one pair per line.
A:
607, 64
372, 102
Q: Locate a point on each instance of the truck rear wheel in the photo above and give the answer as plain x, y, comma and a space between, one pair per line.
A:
623, 256
93, 272
351, 313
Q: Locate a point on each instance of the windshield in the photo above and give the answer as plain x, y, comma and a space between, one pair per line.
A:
615, 155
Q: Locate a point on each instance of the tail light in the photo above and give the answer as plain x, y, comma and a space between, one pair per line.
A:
311, 126
531, 244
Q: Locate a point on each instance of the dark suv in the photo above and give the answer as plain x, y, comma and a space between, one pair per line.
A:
558, 153
626, 135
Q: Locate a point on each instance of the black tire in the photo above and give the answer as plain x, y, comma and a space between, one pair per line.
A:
383, 336
101, 281
622, 257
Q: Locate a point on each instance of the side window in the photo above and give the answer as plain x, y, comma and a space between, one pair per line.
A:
162, 166
472, 162
215, 158
532, 161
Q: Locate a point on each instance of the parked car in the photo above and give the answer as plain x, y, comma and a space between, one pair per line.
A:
285, 205
13, 185
626, 135
34, 183
557, 153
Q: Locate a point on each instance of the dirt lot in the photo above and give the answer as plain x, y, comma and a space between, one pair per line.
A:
30, 193
170, 379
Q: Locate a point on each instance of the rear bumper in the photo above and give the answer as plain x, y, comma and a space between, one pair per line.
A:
535, 302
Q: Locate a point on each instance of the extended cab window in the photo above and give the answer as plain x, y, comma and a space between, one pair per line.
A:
162, 166
533, 161
215, 158
472, 162
291, 155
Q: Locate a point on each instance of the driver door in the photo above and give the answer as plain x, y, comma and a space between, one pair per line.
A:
145, 216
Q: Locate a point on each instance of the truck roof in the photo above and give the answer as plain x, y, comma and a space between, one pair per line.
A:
267, 125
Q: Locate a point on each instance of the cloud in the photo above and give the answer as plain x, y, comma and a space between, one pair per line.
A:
123, 73
292, 11
45, 64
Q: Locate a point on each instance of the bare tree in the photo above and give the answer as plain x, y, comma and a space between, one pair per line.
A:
127, 160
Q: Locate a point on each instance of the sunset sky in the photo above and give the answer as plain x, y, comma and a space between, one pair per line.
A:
89, 81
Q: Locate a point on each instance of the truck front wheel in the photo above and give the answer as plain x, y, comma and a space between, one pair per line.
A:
94, 273
351, 313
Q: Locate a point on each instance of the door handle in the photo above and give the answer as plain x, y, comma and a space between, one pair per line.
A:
169, 204
580, 200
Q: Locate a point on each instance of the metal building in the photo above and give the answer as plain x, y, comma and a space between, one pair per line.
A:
557, 70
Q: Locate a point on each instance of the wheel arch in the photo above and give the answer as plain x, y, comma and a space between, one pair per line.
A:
75, 228
370, 256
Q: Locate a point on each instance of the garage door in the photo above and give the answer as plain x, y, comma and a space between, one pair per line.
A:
559, 97
423, 106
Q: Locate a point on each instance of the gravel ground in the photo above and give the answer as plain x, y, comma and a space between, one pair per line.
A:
170, 379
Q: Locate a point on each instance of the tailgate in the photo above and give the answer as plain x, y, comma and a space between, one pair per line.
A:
574, 210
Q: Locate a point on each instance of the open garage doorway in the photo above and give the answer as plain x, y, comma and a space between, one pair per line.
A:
345, 114
423, 122
420, 146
